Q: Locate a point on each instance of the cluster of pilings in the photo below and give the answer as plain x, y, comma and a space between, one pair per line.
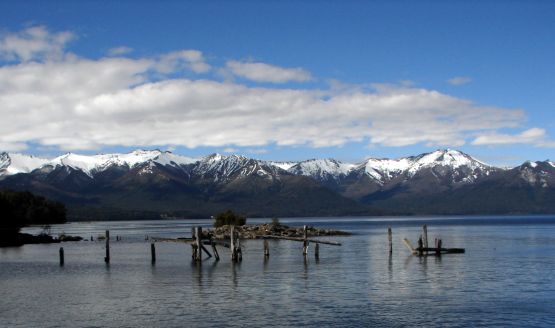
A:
198, 243
423, 249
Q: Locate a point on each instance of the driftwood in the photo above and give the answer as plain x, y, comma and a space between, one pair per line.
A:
316, 241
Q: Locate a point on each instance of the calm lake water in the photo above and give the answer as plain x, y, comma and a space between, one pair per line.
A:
505, 278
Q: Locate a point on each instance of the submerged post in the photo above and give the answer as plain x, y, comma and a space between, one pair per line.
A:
317, 251
152, 253
266, 248
390, 240
61, 256
107, 258
305, 241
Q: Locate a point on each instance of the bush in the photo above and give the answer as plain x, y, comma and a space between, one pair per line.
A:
229, 218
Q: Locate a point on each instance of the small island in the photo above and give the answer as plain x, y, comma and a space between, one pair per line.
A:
223, 221
257, 231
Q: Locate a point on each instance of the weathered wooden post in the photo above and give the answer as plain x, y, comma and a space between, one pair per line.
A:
438, 247
266, 248
305, 241
317, 251
215, 250
425, 237
238, 245
107, 258
198, 242
390, 239
232, 241
61, 256
152, 253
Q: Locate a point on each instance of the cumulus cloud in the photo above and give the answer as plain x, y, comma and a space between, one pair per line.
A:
75, 103
32, 43
262, 72
534, 136
190, 59
459, 80
118, 51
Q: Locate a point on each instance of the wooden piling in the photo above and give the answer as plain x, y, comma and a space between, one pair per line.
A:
152, 253
266, 248
232, 240
61, 256
317, 251
239, 250
305, 241
198, 233
390, 240
425, 236
215, 250
438, 247
107, 257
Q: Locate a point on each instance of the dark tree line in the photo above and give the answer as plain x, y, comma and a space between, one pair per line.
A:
18, 209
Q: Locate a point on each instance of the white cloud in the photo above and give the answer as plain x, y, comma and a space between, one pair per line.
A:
459, 80
118, 51
190, 59
534, 136
261, 72
76, 103
32, 43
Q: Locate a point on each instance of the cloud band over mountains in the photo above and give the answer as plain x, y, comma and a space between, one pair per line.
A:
52, 97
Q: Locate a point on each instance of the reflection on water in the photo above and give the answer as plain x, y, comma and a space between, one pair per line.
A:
506, 278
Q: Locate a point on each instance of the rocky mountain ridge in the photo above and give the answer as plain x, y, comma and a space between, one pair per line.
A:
161, 182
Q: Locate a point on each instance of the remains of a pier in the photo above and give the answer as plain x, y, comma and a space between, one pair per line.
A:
424, 250
199, 239
305, 240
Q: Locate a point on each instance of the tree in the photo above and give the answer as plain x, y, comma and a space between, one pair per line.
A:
18, 209
229, 218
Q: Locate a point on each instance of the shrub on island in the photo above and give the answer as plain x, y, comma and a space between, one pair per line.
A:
229, 218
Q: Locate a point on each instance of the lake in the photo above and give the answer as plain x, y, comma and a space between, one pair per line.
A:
505, 278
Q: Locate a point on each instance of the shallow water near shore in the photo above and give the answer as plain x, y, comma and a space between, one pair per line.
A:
505, 278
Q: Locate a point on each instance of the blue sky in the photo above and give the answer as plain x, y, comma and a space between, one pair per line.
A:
282, 80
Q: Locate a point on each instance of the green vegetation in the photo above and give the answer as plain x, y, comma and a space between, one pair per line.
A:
229, 218
18, 209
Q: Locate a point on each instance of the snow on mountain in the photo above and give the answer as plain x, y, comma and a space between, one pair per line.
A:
283, 165
383, 170
15, 163
448, 157
537, 173
220, 168
321, 169
98, 163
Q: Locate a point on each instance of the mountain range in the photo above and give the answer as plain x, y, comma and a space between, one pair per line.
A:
148, 184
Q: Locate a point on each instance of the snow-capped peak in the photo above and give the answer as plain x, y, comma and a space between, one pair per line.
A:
14, 163
387, 169
18, 163
446, 157
321, 168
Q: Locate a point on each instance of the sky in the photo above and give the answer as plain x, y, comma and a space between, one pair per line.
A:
279, 80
